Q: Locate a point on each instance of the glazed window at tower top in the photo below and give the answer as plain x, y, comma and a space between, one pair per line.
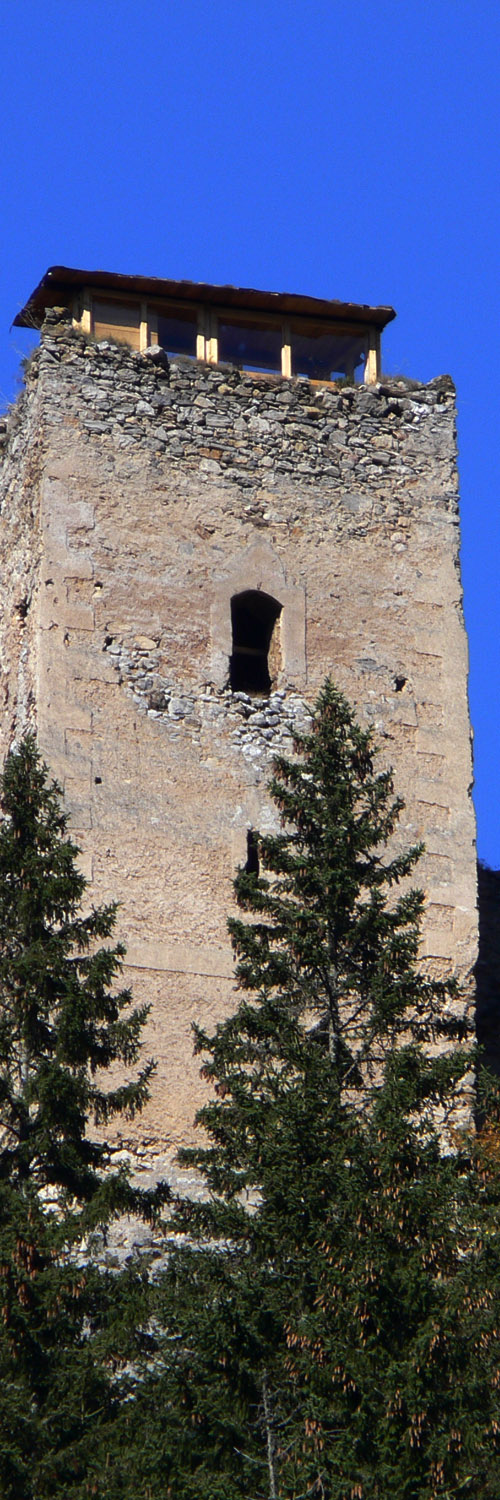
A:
177, 333
254, 660
253, 347
327, 356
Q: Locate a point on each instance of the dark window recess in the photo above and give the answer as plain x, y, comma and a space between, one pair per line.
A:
116, 320
253, 348
252, 866
177, 335
253, 616
326, 356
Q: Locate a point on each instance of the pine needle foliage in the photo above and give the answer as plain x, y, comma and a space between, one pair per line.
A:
394, 1366
62, 1026
324, 1270
328, 960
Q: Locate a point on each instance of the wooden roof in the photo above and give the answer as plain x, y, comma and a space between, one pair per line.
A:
61, 283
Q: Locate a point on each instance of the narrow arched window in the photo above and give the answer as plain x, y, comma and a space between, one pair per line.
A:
254, 619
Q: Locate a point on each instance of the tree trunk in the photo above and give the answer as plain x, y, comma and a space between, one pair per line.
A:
270, 1447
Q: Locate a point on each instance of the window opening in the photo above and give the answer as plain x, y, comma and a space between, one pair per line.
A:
177, 335
116, 320
327, 356
252, 863
254, 617
253, 347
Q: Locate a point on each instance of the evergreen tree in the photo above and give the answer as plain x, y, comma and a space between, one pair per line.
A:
62, 1025
395, 1366
327, 963
324, 1320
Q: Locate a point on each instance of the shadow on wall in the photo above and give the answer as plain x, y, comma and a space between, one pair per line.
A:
488, 966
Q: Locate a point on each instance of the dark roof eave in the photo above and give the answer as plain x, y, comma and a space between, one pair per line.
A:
60, 281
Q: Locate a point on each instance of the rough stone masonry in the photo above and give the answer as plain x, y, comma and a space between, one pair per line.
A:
139, 497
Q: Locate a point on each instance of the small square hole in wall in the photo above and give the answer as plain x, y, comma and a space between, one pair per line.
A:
252, 862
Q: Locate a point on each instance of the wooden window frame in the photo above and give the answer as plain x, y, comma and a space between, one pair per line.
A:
207, 317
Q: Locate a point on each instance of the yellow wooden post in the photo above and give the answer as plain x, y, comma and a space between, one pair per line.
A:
286, 350
86, 318
143, 327
212, 341
372, 366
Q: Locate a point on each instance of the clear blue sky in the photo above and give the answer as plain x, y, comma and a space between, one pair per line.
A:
344, 148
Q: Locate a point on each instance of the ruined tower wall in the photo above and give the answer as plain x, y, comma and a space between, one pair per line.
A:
139, 501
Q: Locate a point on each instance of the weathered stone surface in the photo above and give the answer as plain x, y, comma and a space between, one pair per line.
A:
137, 498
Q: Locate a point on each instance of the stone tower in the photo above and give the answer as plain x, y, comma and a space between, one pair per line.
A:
203, 514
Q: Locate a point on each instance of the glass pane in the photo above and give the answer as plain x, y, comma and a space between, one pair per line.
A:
116, 320
328, 356
177, 335
252, 348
